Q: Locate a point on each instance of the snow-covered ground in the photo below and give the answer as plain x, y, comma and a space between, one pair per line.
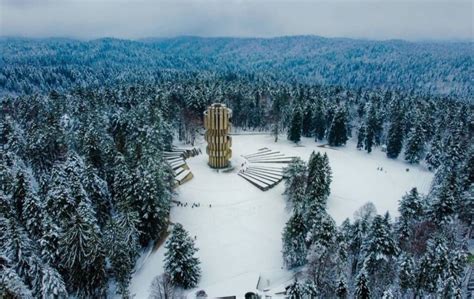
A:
238, 227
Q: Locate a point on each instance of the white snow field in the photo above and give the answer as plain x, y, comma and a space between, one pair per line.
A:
238, 227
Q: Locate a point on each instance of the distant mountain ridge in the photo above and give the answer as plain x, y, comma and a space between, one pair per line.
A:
444, 68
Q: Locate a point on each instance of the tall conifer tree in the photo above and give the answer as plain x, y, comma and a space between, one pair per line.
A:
180, 260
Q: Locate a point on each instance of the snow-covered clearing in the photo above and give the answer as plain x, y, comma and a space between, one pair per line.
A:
238, 227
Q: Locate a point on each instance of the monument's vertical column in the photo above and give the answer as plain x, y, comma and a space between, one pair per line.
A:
217, 125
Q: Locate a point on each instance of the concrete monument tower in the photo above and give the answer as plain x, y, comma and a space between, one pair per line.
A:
217, 124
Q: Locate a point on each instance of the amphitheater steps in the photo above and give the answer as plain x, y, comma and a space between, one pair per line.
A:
256, 183
264, 180
265, 177
285, 161
263, 174
265, 155
176, 159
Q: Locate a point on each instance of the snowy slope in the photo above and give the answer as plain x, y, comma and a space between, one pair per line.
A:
238, 227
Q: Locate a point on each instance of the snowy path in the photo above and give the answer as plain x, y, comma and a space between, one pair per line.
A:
239, 236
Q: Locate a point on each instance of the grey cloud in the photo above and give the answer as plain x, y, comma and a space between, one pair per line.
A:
416, 19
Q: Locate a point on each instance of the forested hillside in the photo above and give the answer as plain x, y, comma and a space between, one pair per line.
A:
84, 124
430, 68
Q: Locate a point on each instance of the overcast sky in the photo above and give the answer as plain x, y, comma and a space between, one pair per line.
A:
372, 19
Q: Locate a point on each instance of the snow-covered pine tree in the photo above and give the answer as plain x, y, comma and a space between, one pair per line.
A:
49, 240
143, 193
92, 145
13, 137
434, 155
388, 294
21, 252
121, 247
99, 195
52, 284
445, 201
59, 203
32, 213
337, 134
438, 264
20, 191
7, 182
387, 221
348, 113
256, 113
415, 144
275, 130
307, 128
151, 201
330, 110
143, 176
122, 186
406, 272
31, 205
296, 174
47, 140
345, 230
321, 226
315, 175
323, 266
82, 258
127, 223
326, 169
380, 251
341, 288
311, 289
357, 234
362, 287
319, 179
395, 136
294, 131
275, 116
466, 175
296, 290
424, 276
12, 285
457, 261
319, 120
369, 140
412, 209
466, 207
455, 146
294, 244
372, 128
449, 288
411, 206
361, 137
180, 260
378, 129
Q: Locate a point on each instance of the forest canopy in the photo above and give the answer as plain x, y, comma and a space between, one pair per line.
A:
84, 125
